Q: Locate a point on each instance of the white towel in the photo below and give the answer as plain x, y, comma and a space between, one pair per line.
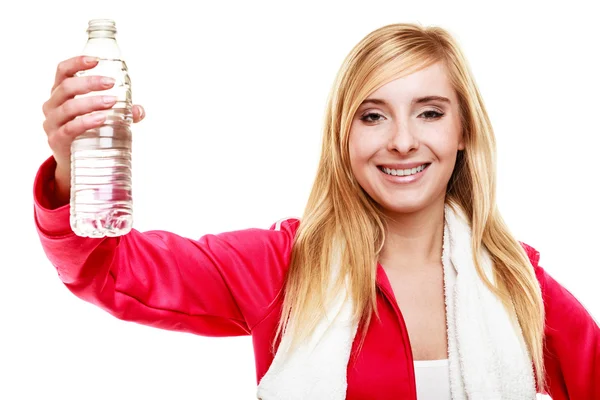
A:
487, 355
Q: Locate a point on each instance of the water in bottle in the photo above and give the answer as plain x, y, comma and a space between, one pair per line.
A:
101, 193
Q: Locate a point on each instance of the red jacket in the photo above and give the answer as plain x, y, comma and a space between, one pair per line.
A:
228, 285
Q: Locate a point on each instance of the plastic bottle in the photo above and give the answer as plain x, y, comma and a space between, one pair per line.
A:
101, 192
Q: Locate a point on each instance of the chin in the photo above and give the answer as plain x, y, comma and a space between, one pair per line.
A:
409, 204
405, 207
409, 209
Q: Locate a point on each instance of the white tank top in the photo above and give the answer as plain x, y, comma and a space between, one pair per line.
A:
433, 380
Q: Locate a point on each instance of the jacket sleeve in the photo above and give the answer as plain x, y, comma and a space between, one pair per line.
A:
572, 341
218, 285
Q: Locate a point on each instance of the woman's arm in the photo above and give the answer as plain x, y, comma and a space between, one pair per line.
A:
572, 348
219, 285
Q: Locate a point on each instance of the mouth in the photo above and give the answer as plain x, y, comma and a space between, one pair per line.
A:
408, 172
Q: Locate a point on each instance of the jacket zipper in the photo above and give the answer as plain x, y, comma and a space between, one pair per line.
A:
411, 367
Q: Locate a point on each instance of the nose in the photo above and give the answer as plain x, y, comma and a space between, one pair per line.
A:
402, 139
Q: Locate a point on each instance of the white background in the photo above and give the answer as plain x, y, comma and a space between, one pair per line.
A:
235, 95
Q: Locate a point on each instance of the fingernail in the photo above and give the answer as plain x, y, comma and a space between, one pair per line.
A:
106, 81
90, 60
108, 99
142, 112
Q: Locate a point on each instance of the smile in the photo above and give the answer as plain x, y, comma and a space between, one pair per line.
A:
403, 172
404, 176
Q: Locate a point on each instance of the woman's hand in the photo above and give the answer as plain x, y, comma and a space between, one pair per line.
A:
68, 117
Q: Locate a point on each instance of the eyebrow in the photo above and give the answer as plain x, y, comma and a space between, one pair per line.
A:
417, 100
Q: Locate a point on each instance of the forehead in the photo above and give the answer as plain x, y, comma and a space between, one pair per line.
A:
430, 81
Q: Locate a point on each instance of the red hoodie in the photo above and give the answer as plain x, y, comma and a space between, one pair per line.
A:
230, 284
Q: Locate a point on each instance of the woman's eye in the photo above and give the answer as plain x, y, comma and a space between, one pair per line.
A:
372, 117
430, 114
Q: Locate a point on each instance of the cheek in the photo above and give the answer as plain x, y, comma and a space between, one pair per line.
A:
361, 149
357, 149
445, 143
363, 145
447, 149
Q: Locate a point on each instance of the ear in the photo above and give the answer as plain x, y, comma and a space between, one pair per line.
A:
461, 142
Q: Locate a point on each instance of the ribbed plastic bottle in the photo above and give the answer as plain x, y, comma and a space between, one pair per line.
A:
101, 192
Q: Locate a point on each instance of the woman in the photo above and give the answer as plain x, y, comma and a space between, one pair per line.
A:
400, 280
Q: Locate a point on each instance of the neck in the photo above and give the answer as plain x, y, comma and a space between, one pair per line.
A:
414, 239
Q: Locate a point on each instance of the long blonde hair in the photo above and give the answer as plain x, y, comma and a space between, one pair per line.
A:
339, 210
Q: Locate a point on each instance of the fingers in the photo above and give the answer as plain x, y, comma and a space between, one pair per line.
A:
73, 86
76, 107
70, 67
60, 141
138, 113
69, 113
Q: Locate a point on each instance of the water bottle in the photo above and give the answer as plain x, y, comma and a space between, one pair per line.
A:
101, 195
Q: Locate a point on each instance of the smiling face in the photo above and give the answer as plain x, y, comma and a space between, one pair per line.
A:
404, 141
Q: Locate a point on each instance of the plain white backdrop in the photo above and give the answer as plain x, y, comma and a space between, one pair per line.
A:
235, 95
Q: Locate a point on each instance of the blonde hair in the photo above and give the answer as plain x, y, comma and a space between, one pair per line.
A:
339, 210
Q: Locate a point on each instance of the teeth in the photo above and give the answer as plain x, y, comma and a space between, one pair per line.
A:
404, 172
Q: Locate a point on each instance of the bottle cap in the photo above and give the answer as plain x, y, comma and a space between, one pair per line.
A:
95, 25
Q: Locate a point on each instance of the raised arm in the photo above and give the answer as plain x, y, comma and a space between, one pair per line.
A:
218, 285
